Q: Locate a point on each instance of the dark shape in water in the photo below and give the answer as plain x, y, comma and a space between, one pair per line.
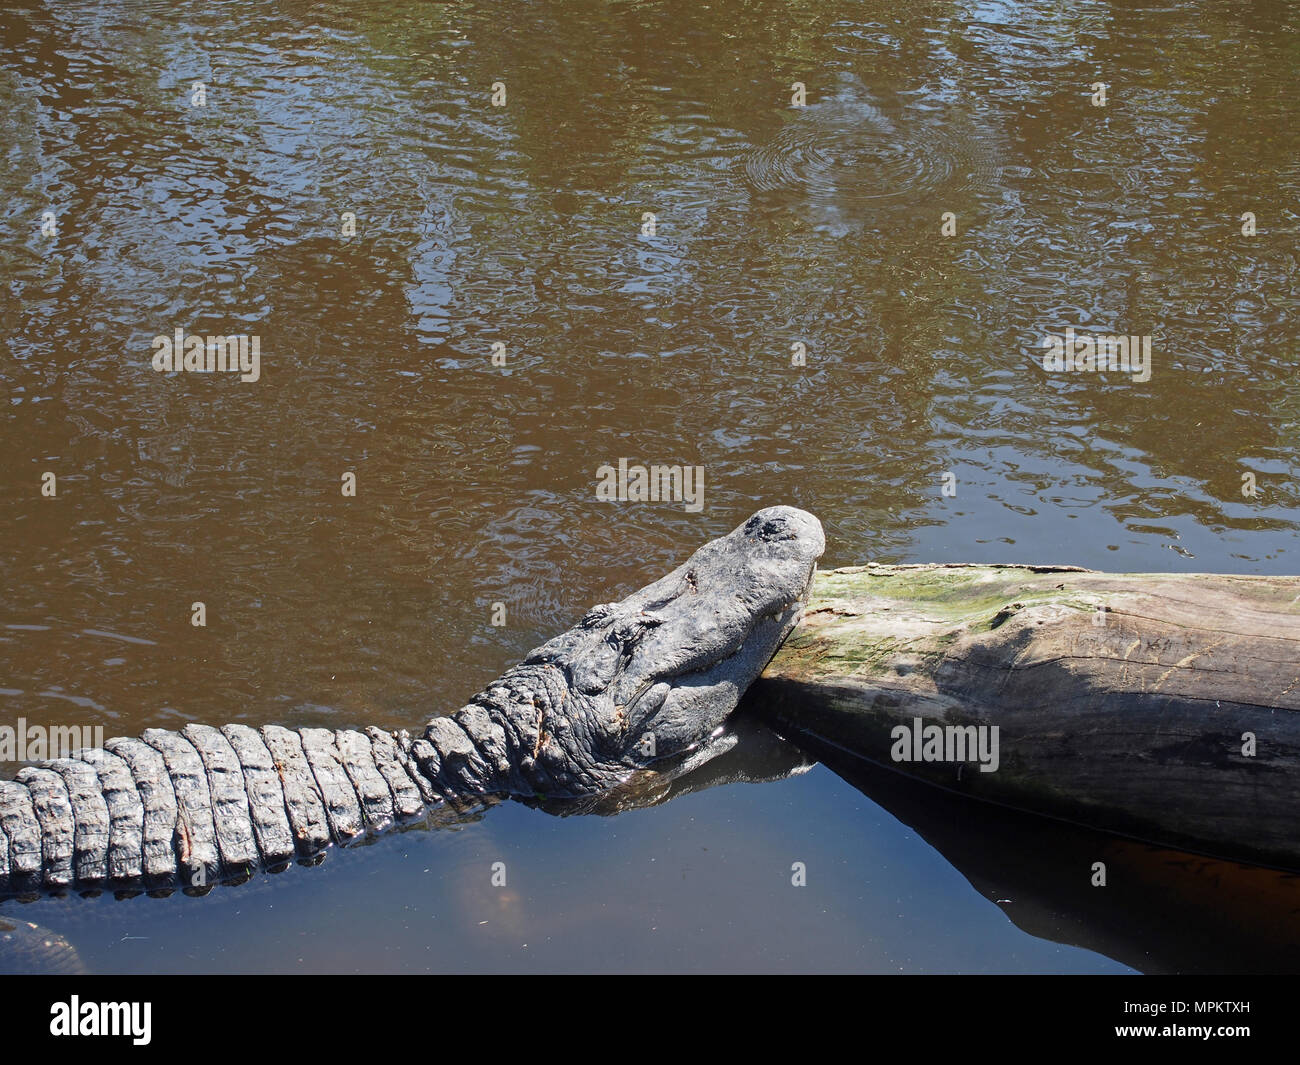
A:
1161, 911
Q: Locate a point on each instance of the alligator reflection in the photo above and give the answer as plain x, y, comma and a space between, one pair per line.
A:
745, 752
1161, 911
61, 935
742, 751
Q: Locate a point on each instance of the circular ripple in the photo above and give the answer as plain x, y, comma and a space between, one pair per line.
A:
857, 156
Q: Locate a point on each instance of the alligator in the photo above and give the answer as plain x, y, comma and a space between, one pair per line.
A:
639, 688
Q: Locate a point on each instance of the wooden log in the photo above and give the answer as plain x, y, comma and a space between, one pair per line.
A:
1165, 707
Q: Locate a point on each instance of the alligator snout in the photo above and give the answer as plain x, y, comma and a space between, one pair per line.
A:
787, 523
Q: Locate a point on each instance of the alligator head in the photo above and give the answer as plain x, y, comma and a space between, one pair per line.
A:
638, 683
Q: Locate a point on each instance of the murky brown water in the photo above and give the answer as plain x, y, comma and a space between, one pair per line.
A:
476, 484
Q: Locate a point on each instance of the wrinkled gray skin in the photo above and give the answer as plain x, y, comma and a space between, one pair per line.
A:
633, 686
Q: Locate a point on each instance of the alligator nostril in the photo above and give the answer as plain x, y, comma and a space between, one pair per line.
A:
769, 528
796, 531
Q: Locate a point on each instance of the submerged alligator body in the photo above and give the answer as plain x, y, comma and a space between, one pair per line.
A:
633, 686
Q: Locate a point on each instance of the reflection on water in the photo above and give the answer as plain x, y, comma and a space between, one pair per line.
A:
1160, 911
523, 225
701, 883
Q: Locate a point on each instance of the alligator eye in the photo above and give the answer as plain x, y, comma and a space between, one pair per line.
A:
630, 630
596, 615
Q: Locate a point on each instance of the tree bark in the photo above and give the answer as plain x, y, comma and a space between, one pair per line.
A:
1160, 706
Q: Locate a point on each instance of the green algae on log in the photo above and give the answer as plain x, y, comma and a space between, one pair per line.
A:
1160, 706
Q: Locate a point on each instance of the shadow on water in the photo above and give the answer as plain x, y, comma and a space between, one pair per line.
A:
1160, 911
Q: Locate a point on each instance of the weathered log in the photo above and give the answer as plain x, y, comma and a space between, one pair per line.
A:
1160, 706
